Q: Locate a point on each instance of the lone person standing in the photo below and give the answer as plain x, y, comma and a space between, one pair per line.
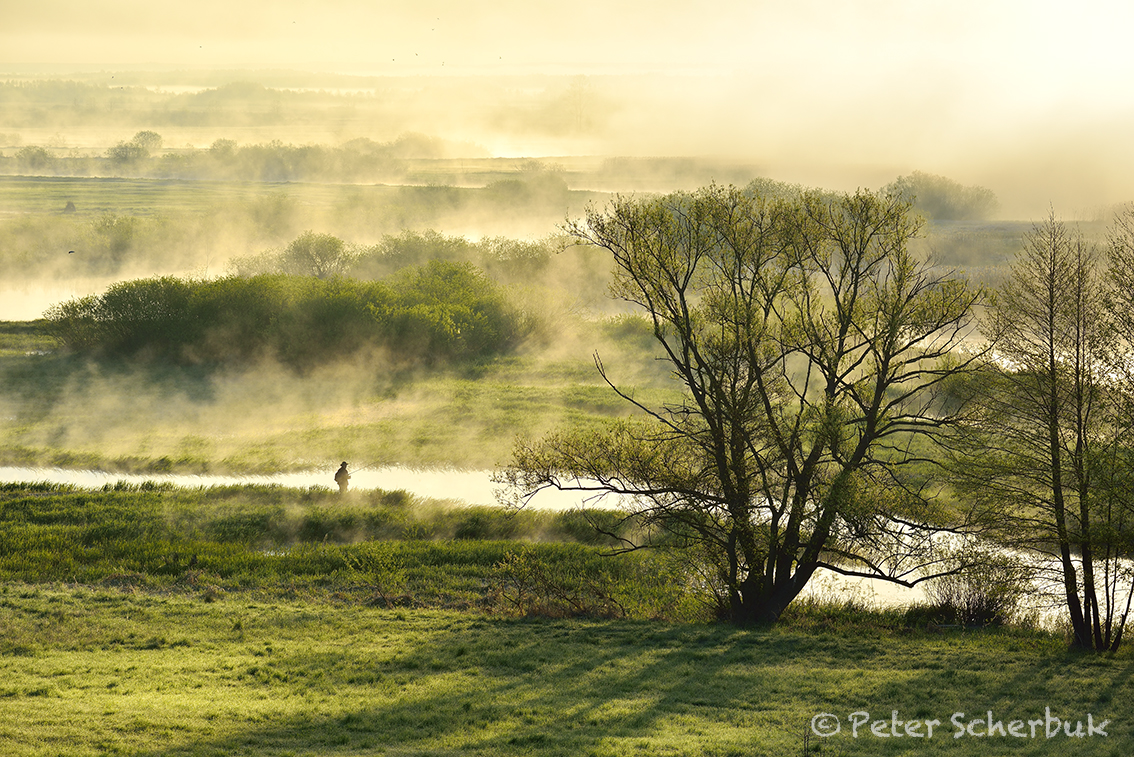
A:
342, 478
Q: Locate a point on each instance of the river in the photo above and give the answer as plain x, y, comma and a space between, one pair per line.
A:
469, 487
463, 487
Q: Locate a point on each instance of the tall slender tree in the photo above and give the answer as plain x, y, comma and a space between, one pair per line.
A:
1051, 437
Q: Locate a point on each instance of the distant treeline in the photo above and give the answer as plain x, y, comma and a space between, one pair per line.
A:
331, 104
356, 160
325, 255
52, 102
439, 312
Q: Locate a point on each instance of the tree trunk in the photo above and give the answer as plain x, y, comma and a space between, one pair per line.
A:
756, 603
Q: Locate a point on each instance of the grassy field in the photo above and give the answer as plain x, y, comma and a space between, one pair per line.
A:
390, 547
93, 196
94, 671
264, 621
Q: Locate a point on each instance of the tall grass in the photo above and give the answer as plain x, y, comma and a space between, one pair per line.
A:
388, 547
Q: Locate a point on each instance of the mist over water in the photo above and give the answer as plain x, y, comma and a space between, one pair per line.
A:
29, 300
458, 486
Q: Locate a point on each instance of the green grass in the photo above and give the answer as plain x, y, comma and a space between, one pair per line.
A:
103, 671
388, 548
19, 339
295, 632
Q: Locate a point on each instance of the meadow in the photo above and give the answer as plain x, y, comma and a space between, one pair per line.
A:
110, 670
159, 621
67, 411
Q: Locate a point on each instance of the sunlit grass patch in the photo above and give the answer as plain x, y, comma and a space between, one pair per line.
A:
383, 548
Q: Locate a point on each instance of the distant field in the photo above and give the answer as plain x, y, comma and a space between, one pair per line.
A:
94, 196
169, 226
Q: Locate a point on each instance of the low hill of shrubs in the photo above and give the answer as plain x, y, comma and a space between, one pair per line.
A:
440, 312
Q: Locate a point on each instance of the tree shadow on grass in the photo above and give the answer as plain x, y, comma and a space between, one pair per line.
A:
535, 686
570, 687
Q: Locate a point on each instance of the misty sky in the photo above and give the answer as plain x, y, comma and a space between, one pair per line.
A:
1030, 98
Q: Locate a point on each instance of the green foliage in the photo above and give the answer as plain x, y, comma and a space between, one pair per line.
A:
810, 345
384, 547
147, 140
1047, 452
320, 255
941, 199
506, 260
987, 592
412, 248
379, 568
127, 152
446, 311
33, 158
437, 313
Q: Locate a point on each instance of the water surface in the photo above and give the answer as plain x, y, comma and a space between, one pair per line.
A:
472, 487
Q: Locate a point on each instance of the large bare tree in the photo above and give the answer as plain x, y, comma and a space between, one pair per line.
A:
812, 351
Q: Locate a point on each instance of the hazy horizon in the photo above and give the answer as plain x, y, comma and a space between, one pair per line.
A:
1024, 98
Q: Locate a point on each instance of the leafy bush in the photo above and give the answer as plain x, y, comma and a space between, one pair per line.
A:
572, 580
986, 594
440, 312
507, 260
312, 254
446, 310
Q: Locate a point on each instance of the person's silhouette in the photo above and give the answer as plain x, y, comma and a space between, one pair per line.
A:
342, 477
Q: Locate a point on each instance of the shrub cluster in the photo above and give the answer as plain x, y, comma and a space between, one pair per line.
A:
439, 312
570, 580
989, 593
939, 198
510, 261
357, 160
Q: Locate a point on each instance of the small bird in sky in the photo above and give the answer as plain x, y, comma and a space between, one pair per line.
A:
70, 252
